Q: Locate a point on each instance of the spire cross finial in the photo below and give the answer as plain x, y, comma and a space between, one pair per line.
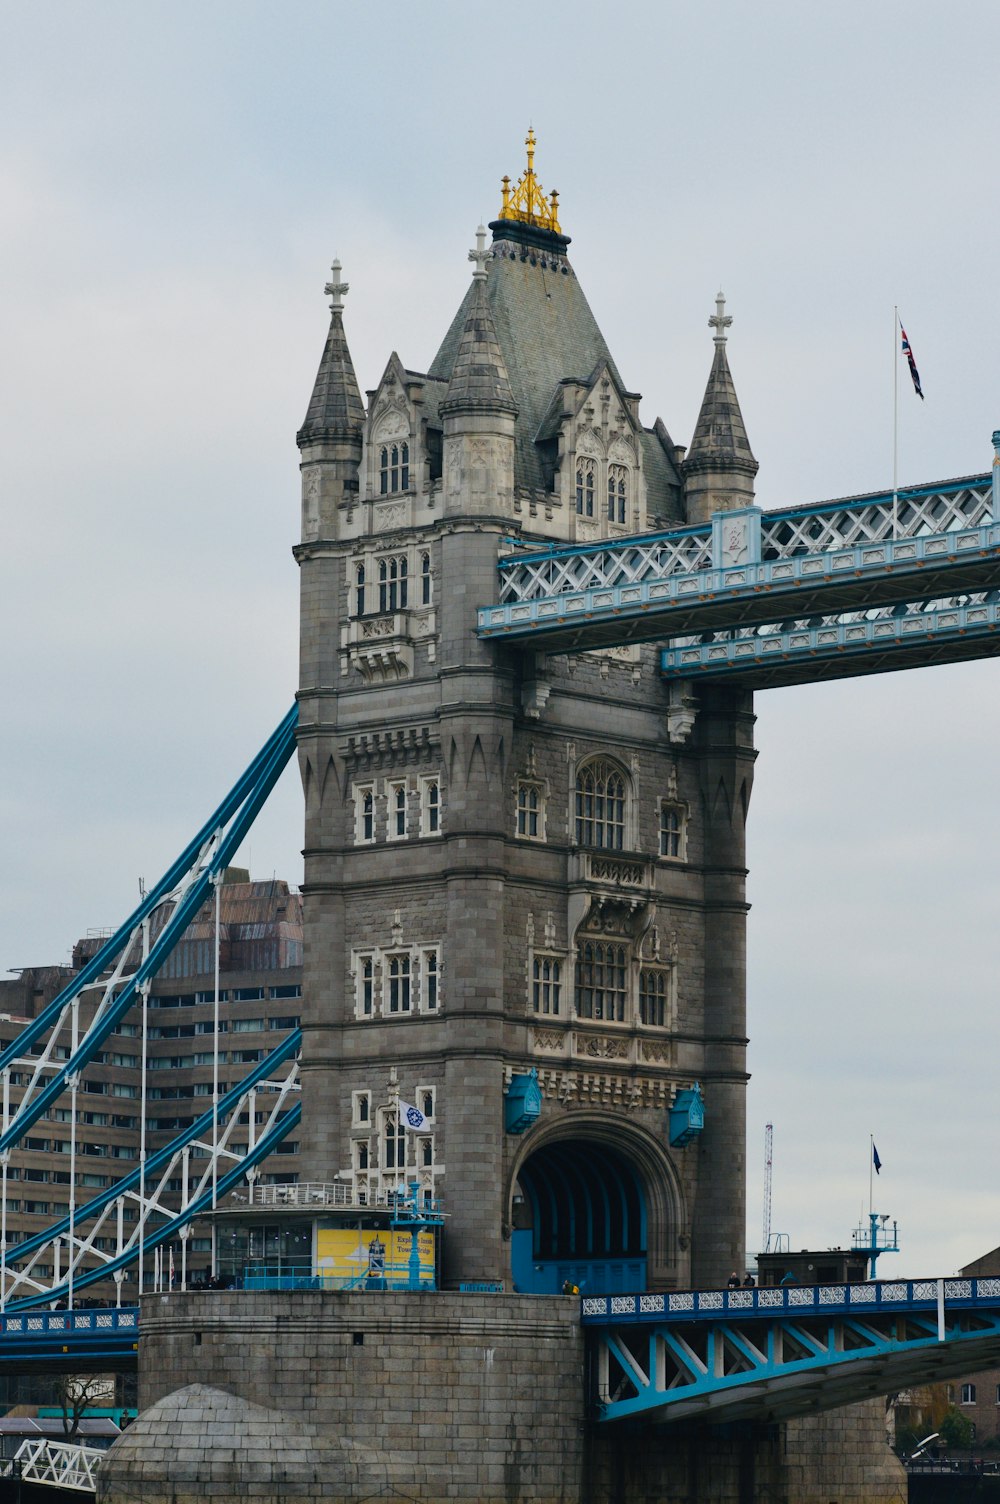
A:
480, 255
335, 289
720, 320
529, 142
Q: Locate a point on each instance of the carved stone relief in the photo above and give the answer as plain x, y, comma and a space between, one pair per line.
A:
622, 452
390, 514
395, 425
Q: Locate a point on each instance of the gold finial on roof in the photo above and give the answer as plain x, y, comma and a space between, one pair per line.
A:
526, 202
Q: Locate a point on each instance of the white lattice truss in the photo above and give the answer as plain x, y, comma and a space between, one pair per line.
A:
72, 1245
827, 528
54, 1048
59, 1464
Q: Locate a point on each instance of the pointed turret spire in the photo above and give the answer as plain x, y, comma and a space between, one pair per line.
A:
719, 434
335, 408
479, 377
719, 468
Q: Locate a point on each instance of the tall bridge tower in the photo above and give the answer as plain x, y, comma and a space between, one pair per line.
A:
519, 869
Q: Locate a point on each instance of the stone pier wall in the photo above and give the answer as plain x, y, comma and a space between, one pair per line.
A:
305, 1396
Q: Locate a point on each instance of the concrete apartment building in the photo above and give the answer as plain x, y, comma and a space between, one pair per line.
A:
260, 964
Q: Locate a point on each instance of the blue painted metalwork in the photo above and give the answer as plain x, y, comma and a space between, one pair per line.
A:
687, 1116
167, 1230
87, 1334
287, 1050
768, 655
523, 1102
935, 507
652, 604
726, 1354
875, 1239
239, 810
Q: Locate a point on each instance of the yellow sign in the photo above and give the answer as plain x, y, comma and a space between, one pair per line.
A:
349, 1255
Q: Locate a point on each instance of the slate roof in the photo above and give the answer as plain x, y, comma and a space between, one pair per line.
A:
546, 333
335, 407
719, 434
479, 376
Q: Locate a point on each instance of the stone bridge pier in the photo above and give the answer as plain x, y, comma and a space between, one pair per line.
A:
301, 1396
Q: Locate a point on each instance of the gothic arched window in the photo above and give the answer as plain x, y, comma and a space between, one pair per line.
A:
425, 579
601, 981
392, 583
359, 586
617, 493
585, 488
393, 468
600, 806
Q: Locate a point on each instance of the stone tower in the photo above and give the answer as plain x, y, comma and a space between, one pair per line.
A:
514, 863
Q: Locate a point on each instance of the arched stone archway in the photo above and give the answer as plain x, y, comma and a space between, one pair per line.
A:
596, 1202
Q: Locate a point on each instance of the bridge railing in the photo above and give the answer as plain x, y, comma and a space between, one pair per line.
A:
835, 527
59, 1464
26, 1324
339, 1194
779, 1300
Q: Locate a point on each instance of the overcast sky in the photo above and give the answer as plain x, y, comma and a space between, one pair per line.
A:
175, 179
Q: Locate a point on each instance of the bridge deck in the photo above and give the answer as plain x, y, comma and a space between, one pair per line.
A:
774, 1353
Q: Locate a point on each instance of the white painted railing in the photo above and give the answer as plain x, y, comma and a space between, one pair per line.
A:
59, 1464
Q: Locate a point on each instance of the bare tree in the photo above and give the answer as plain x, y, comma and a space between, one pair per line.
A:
76, 1393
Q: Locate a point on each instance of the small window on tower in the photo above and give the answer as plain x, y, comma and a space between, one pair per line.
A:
397, 812
672, 831
617, 493
359, 590
546, 984
392, 582
585, 488
654, 997
365, 974
399, 984
425, 579
430, 807
429, 974
364, 814
530, 811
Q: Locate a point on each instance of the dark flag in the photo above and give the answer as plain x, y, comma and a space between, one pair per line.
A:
877, 1162
914, 373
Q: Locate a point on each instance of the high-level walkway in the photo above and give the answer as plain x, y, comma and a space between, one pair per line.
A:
856, 585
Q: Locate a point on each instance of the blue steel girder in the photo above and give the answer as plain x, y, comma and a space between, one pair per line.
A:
771, 1354
652, 609
172, 904
807, 650
31, 1272
64, 1337
810, 561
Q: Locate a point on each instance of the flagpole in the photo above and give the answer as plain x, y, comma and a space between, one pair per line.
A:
895, 425
871, 1162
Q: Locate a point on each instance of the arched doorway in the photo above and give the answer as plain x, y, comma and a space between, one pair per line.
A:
579, 1214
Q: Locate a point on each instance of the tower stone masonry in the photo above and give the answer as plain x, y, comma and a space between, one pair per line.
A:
521, 872
514, 862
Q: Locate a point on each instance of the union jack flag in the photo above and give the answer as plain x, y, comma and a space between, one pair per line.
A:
914, 373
